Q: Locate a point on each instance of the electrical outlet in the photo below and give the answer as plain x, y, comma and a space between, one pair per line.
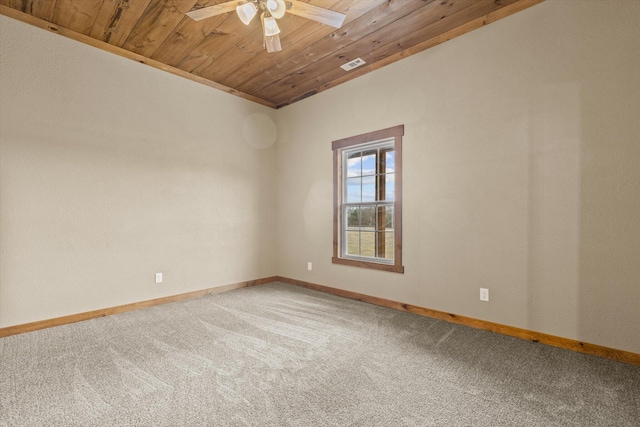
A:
158, 277
309, 266
484, 294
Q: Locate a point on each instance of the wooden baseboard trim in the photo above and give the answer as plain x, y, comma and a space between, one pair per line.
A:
73, 318
539, 337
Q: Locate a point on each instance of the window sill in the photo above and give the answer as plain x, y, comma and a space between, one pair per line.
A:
365, 264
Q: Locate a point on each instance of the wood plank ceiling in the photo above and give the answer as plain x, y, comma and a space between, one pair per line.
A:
224, 53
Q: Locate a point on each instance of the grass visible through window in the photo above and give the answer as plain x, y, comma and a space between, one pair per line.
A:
366, 238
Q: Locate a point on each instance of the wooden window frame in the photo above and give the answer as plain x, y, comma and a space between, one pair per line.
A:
396, 132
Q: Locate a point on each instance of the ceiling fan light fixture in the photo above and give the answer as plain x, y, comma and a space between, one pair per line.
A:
277, 8
270, 26
272, 44
269, 11
246, 12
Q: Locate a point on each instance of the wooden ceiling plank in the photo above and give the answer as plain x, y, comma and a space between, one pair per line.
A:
159, 19
204, 52
392, 25
270, 66
410, 23
225, 37
39, 8
56, 29
186, 37
475, 16
76, 15
248, 48
244, 48
251, 45
299, 36
301, 61
373, 22
116, 19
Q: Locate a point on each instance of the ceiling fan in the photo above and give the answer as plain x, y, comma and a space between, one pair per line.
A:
270, 10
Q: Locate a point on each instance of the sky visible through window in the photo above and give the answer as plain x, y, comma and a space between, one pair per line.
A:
361, 176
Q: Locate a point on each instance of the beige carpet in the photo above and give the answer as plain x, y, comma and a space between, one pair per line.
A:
278, 355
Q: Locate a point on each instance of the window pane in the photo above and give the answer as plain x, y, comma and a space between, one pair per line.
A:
353, 218
353, 243
390, 157
369, 162
389, 245
368, 218
390, 186
354, 190
369, 189
368, 243
354, 164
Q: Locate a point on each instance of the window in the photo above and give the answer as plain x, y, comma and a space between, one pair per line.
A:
367, 211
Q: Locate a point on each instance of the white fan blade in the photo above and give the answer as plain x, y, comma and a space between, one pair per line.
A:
216, 9
316, 13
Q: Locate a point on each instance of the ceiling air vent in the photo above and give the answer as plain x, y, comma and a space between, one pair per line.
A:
353, 64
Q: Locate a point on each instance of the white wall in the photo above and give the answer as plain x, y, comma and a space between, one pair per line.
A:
111, 171
521, 173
